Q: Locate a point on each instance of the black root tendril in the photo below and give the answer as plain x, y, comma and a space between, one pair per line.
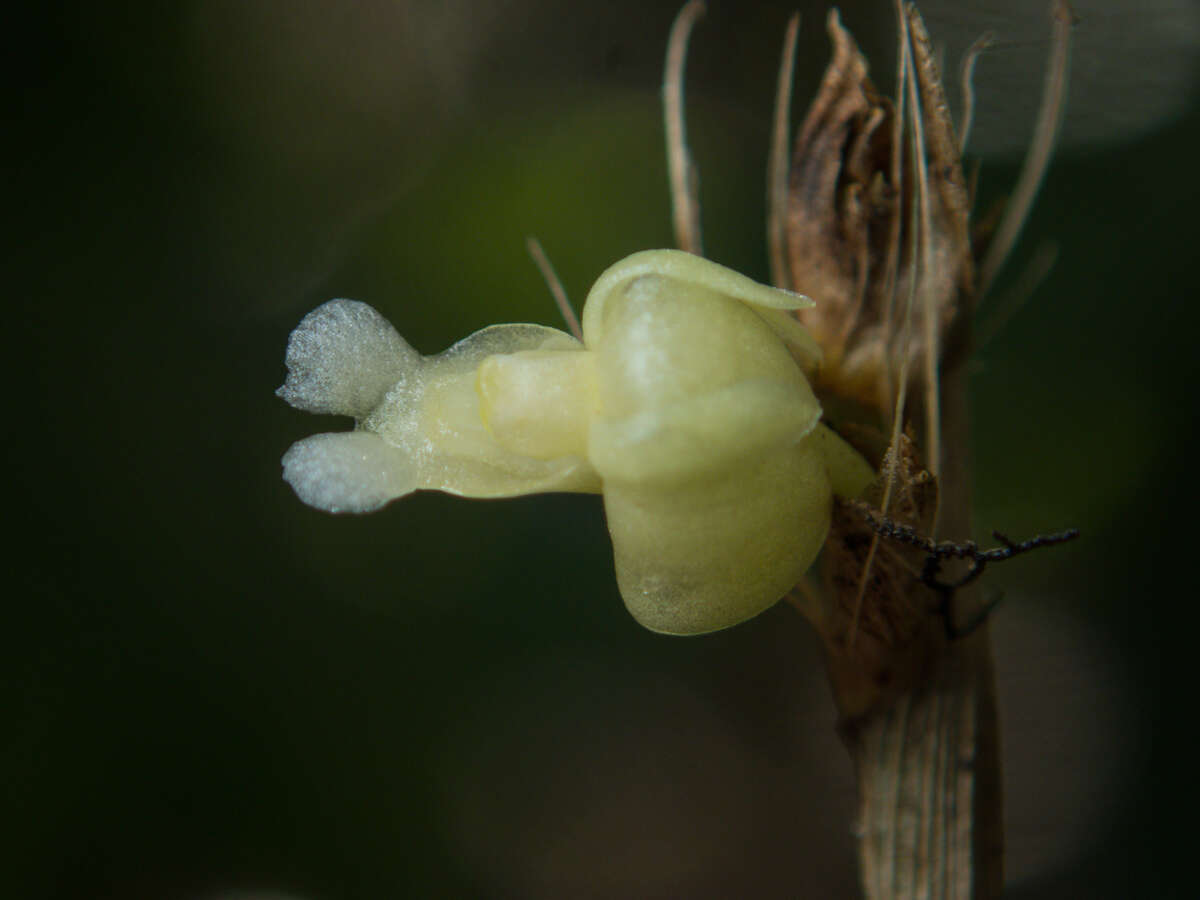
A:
937, 552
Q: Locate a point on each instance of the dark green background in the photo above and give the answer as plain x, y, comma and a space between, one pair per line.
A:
207, 685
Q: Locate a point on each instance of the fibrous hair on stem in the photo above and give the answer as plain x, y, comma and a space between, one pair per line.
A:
681, 171
777, 165
557, 291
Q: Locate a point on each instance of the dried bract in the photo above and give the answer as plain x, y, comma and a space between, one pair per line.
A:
862, 235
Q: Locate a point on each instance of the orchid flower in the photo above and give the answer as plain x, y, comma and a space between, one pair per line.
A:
686, 405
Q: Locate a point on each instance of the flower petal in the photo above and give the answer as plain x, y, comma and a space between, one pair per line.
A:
685, 271
703, 436
352, 471
711, 554
342, 358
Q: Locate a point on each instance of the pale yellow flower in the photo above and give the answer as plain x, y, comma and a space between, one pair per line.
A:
686, 405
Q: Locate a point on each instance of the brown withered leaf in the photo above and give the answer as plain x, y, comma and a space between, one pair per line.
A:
857, 232
843, 216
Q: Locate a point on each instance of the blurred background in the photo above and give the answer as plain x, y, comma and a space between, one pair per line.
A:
209, 690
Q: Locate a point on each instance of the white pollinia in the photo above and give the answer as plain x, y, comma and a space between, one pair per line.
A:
686, 406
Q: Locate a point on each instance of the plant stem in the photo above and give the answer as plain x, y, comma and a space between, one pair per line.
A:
928, 765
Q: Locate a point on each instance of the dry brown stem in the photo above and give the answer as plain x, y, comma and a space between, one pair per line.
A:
878, 231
